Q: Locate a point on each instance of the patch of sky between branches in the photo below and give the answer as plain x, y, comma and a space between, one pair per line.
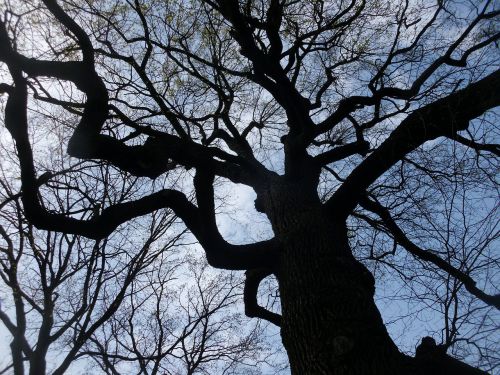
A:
237, 218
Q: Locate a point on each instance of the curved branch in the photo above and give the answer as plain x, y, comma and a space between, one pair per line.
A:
252, 308
428, 256
221, 254
443, 117
150, 159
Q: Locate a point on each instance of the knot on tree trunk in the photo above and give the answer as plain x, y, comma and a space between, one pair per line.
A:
434, 360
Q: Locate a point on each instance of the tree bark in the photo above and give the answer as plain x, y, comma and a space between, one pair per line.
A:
330, 323
17, 356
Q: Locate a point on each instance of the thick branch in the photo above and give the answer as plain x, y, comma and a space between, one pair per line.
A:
443, 117
219, 252
339, 153
264, 253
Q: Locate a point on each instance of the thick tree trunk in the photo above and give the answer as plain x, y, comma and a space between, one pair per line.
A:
330, 323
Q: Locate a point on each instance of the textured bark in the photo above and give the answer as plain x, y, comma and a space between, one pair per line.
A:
330, 323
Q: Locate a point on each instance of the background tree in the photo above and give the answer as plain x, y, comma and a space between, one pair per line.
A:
355, 123
193, 331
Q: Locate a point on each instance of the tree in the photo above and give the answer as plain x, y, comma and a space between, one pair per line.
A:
324, 109
200, 333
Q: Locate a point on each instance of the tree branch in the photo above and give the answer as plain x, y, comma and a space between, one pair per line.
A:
493, 148
252, 308
443, 117
428, 256
88, 143
221, 254
341, 152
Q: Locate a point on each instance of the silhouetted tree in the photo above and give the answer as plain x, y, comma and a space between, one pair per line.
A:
357, 124
192, 329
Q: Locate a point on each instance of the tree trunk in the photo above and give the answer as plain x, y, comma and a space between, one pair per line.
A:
38, 362
17, 355
330, 324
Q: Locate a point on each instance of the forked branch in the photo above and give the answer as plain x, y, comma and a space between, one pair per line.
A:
426, 255
252, 307
444, 117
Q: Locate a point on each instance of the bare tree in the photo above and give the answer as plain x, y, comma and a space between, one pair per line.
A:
350, 120
63, 288
192, 329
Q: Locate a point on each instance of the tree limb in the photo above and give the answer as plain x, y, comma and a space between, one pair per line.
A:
219, 253
443, 117
493, 148
341, 152
252, 308
428, 256
205, 229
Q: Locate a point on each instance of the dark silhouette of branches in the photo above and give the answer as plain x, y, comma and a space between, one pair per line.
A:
366, 130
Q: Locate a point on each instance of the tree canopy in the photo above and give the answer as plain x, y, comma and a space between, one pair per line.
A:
366, 130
